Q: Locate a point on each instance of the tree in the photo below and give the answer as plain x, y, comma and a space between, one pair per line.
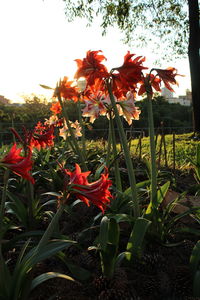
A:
36, 108
194, 60
173, 23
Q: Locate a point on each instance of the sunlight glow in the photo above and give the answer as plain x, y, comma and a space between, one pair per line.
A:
39, 46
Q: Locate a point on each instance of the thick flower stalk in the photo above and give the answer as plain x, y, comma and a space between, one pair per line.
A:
149, 82
18, 164
129, 164
96, 192
65, 91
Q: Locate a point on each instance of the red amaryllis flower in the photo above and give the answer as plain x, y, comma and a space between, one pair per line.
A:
91, 67
168, 77
96, 192
66, 90
130, 73
42, 139
153, 82
18, 164
56, 108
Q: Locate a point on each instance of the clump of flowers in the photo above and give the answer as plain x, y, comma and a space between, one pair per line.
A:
42, 137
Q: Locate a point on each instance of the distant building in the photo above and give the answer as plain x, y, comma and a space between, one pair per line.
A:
185, 100
4, 100
166, 93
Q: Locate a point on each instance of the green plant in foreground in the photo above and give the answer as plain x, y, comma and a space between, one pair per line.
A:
18, 283
196, 165
195, 269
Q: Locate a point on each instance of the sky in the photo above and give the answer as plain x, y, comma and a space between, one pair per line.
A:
39, 46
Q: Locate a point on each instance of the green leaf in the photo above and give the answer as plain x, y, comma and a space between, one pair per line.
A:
189, 230
137, 236
77, 271
17, 208
11, 244
52, 194
179, 216
47, 156
197, 169
49, 202
139, 185
171, 205
108, 259
5, 280
122, 256
99, 171
198, 155
46, 276
48, 250
113, 232
160, 196
46, 87
121, 217
162, 193
103, 234
196, 286
195, 259
22, 253
33, 257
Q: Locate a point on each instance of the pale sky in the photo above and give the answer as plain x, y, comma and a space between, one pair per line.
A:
39, 46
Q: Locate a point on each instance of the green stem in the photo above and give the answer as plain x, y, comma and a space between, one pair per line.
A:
75, 143
71, 144
116, 163
82, 127
31, 220
2, 208
3, 199
109, 146
127, 155
51, 228
152, 151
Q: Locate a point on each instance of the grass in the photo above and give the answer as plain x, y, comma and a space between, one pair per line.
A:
176, 154
173, 152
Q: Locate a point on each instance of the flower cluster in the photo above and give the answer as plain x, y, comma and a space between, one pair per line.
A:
41, 136
127, 82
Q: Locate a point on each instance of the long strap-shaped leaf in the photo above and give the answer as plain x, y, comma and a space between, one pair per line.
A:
195, 268
135, 242
33, 257
46, 276
195, 259
160, 196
